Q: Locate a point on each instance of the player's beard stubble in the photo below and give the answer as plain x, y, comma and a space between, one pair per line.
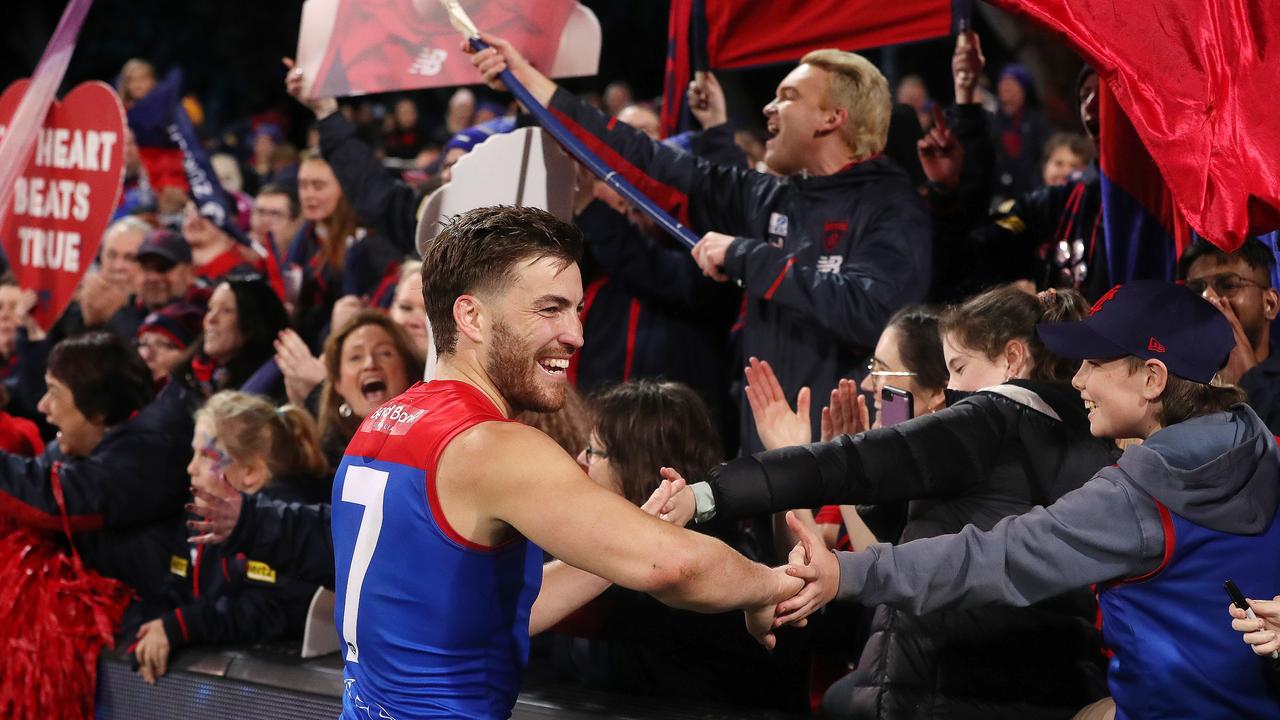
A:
513, 368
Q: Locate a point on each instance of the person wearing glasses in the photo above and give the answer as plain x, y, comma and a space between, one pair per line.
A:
165, 335
276, 217
1239, 285
632, 642
907, 356
1019, 438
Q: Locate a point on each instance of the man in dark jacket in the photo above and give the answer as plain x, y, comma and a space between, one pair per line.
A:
826, 253
649, 310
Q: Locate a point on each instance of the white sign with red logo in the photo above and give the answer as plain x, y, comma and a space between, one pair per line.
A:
66, 194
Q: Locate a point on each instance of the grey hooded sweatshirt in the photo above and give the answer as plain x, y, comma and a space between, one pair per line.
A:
1220, 471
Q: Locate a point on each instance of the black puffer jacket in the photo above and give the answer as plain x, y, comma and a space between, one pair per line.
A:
996, 453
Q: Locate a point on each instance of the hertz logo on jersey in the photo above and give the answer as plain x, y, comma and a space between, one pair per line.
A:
260, 571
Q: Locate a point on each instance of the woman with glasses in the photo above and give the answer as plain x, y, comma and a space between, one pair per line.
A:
1020, 438
638, 644
907, 356
164, 335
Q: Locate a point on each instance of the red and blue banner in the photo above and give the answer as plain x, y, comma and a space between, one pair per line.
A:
1143, 228
737, 34
1194, 79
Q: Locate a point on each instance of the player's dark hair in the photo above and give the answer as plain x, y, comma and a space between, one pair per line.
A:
478, 251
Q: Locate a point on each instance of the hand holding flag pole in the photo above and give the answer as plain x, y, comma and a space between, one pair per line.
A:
458, 17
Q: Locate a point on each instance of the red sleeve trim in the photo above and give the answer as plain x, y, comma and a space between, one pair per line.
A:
433, 498
1170, 541
768, 294
633, 325
182, 625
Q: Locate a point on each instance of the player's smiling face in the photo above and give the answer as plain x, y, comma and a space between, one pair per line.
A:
536, 329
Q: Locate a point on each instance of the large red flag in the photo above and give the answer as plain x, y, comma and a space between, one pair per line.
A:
1195, 78
746, 33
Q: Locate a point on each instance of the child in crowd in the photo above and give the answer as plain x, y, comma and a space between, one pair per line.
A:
1065, 155
221, 597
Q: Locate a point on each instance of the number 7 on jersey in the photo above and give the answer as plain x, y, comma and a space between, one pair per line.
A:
362, 486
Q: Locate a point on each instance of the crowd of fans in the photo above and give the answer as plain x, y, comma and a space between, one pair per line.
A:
201, 355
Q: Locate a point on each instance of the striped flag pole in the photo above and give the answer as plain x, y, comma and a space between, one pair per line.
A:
569, 142
20, 137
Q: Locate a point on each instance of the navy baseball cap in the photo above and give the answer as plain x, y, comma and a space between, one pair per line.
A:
167, 245
1152, 320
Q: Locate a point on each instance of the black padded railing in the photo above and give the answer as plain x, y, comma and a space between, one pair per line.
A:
271, 681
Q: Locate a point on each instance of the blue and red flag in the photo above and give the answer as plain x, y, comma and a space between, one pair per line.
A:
149, 119
1143, 228
165, 133
735, 34
1194, 78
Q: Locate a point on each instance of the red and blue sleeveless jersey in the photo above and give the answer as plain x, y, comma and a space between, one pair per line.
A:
433, 625
1175, 654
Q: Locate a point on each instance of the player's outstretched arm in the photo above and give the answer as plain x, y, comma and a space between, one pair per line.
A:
521, 478
565, 588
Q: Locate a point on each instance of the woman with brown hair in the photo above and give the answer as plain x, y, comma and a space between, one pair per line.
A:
368, 361
334, 254
640, 426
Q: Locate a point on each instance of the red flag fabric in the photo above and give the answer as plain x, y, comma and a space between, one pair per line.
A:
746, 33
1195, 79
742, 33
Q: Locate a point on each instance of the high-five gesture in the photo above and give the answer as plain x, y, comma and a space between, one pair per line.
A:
778, 425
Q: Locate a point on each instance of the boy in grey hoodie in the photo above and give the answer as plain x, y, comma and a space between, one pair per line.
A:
1193, 505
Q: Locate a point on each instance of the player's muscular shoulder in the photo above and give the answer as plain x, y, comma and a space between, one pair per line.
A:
497, 462
491, 468
500, 452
